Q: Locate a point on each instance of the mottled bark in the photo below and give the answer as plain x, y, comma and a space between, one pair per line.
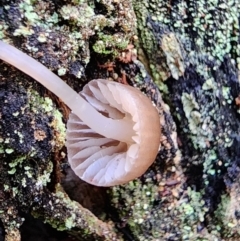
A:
188, 64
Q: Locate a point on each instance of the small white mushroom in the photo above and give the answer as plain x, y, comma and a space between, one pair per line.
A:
113, 133
105, 161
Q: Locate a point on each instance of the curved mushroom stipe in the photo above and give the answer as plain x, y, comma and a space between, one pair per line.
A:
104, 161
113, 133
70, 97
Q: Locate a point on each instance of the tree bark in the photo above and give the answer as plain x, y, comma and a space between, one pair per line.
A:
187, 62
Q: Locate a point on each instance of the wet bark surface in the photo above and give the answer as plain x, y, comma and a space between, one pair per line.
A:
187, 62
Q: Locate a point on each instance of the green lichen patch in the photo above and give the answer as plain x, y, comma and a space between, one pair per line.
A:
65, 214
147, 206
213, 26
194, 47
27, 140
58, 35
110, 44
3, 28
31, 130
193, 210
206, 103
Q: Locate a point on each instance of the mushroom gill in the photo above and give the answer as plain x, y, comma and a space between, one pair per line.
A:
105, 161
113, 133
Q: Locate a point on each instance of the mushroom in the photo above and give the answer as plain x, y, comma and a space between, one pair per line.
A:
113, 132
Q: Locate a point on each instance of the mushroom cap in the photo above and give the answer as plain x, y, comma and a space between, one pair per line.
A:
104, 161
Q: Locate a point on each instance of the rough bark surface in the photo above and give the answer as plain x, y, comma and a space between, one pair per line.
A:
188, 64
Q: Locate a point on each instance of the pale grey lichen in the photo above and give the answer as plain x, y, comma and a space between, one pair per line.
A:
191, 49
62, 32
201, 74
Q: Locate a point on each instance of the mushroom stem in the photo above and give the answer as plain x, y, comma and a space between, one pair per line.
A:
116, 129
